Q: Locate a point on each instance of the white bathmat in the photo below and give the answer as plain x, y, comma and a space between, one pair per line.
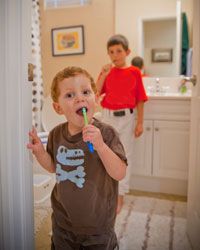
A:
144, 224
152, 224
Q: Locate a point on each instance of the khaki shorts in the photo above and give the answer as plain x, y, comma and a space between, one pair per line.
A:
123, 122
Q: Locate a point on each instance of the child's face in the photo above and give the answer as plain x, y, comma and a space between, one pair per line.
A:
75, 93
118, 55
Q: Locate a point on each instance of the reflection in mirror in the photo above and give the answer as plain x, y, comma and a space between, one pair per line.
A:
154, 32
161, 44
159, 47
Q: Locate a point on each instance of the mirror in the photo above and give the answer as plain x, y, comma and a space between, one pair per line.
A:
154, 32
161, 47
161, 44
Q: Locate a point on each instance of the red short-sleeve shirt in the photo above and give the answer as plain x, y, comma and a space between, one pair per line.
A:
123, 88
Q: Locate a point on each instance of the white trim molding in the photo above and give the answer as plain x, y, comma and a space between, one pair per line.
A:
16, 189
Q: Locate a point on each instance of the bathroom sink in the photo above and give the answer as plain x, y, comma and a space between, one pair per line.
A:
165, 88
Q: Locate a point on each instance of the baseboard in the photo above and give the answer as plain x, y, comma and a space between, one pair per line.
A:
159, 185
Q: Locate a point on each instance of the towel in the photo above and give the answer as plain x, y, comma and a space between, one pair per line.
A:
185, 44
189, 63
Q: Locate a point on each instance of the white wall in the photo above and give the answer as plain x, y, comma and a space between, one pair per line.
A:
129, 12
98, 21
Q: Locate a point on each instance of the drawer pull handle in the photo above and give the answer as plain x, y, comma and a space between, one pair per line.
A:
148, 128
156, 129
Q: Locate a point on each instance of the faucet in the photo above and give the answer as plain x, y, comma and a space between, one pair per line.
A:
192, 79
157, 84
183, 88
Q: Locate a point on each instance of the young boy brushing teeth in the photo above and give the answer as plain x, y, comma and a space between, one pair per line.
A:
84, 198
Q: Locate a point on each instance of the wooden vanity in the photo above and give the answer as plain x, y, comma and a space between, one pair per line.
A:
161, 154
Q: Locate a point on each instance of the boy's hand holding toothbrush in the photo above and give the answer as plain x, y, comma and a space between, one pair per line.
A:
106, 69
92, 135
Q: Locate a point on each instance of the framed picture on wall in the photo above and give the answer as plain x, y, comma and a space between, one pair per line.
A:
161, 55
68, 41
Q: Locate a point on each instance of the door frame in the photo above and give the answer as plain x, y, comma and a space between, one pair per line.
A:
16, 177
193, 205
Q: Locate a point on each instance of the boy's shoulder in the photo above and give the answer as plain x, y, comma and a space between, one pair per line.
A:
58, 129
135, 70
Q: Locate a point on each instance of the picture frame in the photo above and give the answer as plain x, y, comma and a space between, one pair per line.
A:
162, 55
68, 41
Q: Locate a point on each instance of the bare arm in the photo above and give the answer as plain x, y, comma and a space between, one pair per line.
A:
40, 153
105, 71
114, 166
140, 113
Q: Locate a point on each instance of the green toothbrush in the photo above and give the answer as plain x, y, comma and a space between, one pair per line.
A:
89, 144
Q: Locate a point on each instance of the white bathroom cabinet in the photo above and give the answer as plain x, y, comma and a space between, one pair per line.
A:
161, 154
163, 149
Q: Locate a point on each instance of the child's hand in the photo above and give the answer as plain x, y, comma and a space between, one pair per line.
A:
93, 135
100, 98
138, 129
106, 69
35, 143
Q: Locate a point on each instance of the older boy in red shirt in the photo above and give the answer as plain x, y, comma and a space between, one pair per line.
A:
123, 91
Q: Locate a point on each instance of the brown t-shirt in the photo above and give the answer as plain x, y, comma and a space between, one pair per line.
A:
84, 198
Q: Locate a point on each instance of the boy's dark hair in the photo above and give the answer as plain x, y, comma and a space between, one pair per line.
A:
67, 73
137, 62
118, 39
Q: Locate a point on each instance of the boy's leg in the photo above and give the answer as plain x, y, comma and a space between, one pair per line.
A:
125, 127
126, 135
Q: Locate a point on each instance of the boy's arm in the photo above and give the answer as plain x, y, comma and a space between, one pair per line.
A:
40, 153
140, 113
105, 71
46, 161
114, 166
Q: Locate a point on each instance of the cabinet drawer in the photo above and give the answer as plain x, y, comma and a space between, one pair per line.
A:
167, 110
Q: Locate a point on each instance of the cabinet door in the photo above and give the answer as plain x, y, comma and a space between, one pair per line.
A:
142, 164
171, 149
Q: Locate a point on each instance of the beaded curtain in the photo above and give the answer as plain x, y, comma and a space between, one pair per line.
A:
37, 85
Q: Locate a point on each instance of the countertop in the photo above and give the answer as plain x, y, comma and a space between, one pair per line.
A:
170, 96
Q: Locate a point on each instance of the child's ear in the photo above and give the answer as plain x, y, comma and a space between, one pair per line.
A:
99, 98
57, 108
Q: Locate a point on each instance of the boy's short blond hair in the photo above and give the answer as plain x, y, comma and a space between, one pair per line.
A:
116, 40
67, 73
